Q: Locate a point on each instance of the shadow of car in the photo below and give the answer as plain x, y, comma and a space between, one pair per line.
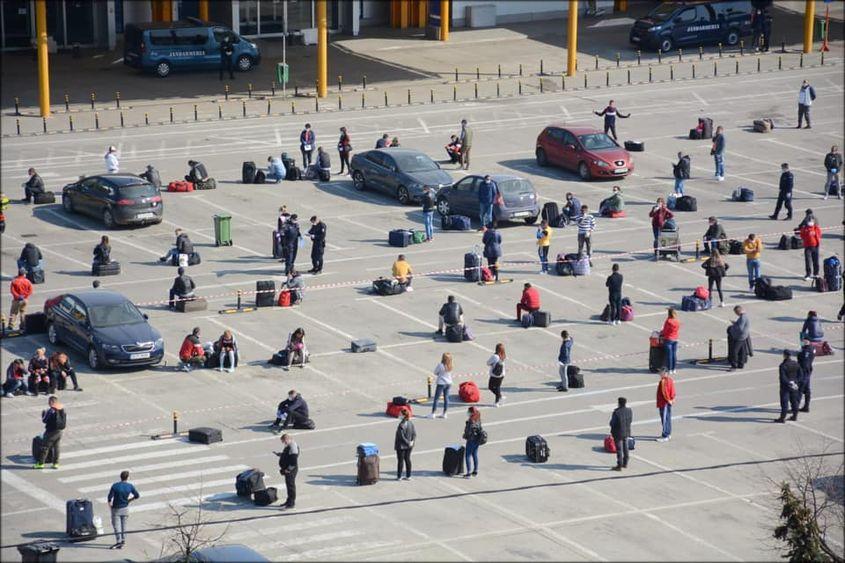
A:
116, 199
521, 202
587, 151
401, 173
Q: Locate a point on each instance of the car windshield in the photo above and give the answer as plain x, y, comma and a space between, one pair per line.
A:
663, 11
513, 187
597, 141
136, 191
114, 315
414, 162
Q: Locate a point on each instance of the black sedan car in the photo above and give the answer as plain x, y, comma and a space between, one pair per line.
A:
106, 326
521, 202
401, 173
117, 199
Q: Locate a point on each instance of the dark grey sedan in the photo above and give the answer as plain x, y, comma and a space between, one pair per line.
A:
401, 173
521, 202
117, 199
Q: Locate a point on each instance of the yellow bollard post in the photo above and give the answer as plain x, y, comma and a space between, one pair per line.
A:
809, 20
322, 49
43, 62
572, 38
445, 20
203, 10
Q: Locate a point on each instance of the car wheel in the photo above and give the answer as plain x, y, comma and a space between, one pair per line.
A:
67, 203
531, 220
52, 335
665, 45
403, 196
584, 171
108, 219
93, 358
443, 207
244, 63
542, 159
358, 181
163, 69
732, 38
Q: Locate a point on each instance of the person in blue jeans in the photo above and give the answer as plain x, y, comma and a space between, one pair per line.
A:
428, 213
487, 192
443, 373
120, 495
669, 334
718, 152
275, 169
752, 247
681, 172
473, 435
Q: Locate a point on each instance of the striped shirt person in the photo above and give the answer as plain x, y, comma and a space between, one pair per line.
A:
586, 226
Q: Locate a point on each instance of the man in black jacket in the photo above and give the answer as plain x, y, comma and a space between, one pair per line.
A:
33, 186
183, 287
614, 291
289, 467
226, 51
293, 411
715, 233
198, 172
290, 242
317, 234
450, 314
681, 172
31, 258
833, 165
620, 430
55, 420
790, 390
428, 205
787, 182
183, 245
805, 363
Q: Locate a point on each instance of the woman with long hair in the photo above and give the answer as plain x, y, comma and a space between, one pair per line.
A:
496, 363
443, 373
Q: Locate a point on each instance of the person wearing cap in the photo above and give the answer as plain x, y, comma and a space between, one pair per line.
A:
112, 163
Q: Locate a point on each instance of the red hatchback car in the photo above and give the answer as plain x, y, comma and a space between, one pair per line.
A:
585, 150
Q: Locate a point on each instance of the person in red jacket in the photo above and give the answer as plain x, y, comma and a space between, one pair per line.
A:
659, 215
530, 301
21, 289
191, 353
665, 400
669, 334
811, 235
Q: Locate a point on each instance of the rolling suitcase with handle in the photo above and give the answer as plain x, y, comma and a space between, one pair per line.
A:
265, 293
368, 470
265, 497
472, 266
574, 377
453, 460
79, 519
37, 443
248, 173
536, 449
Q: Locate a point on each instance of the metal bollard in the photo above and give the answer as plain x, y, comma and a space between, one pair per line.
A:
273, 88
243, 107
296, 90
541, 85
171, 114
226, 91
409, 95
659, 56
758, 63
715, 68
680, 55
639, 57
430, 380
671, 72
293, 107
520, 69
498, 93
737, 66
541, 67
783, 46
585, 80
710, 350
44, 124
693, 70
607, 79
456, 74
268, 106
563, 82
454, 93
96, 120
629, 76
175, 423
340, 83
618, 59
364, 82
500, 71
339, 102
240, 300
117, 99
17, 106
316, 104
720, 50
385, 99
18, 125
195, 111
249, 90
649, 73
121, 119
822, 59
780, 62
520, 87
697, 250
431, 95
801, 61
93, 97
477, 73
219, 112
362, 101
70, 121
700, 53
147, 118
67, 103
741, 48
597, 62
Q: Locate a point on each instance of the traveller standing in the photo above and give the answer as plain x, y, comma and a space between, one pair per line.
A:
496, 365
112, 162
344, 149
805, 364
586, 226
833, 165
120, 495
670, 333
717, 149
564, 360
715, 268
620, 430
665, 400
428, 206
681, 172
226, 52
752, 247
790, 390
307, 139
806, 96
659, 215
21, 290
785, 185
811, 236
443, 382
289, 467
403, 443
317, 234
475, 436
739, 334
487, 193
492, 241
614, 295
290, 240
55, 421
465, 138
610, 113
544, 239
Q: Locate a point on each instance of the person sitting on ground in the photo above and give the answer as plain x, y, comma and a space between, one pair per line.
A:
715, 233
183, 245
571, 209
383, 142
227, 347
294, 283
529, 302
395, 142
293, 411
296, 348
812, 328
198, 172
276, 169
450, 314
33, 186
453, 149
183, 288
60, 370
403, 273
152, 176
191, 354
39, 372
31, 258
15, 374
102, 252
613, 204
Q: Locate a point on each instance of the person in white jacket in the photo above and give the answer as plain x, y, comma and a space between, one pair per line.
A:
112, 163
806, 95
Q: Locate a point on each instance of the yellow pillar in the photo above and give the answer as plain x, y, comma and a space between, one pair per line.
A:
809, 20
621, 5
404, 14
203, 10
322, 50
422, 12
43, 63
572, 38
445, 20
166, 10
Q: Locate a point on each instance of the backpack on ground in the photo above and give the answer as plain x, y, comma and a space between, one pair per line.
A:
783, 244
627, 313
734, 247
417, 237
563, 266
207, 184
454, 333
249, 481
686, 203
455, 223
761, 286
468, 392
702, 292
763, 125
467, 333
260, 177
387, 286
832, 267
486, 274
693, 303
820, 285
574, 377
744, 195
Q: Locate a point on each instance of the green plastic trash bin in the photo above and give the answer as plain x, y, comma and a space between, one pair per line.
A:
38, 552
223, 230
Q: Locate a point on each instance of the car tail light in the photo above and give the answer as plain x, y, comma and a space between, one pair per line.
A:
155, 199
126, 202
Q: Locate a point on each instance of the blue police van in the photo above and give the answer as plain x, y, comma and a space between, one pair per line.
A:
185, 44
682, 24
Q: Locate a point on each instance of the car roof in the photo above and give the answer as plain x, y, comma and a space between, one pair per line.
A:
500, 177
98, 297
576, 129
226, 553
400, 151
120, 180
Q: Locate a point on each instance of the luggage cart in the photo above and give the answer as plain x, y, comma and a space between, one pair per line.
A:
669, 244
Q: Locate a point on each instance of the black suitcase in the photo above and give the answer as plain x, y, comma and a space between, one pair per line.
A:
280, 358
707, 131
248, 173
260, 177
778, 293
205, 435
80, 519
453, 460
542, 318
563, 266
36, 449
686, 203
368, 470
634, 146
550, 213
364, 345
265, 497
399, 237
249, 481
35, 276
472, 267
795, 242
265, 293
278, 249
323, 173
307, 424
455, 333
191, 305
574, 377
734, 247
536, 449
45, 197
110, 269
35, 323
386, 286
656, 358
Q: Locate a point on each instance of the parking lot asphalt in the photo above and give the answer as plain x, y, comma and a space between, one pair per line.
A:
706, 495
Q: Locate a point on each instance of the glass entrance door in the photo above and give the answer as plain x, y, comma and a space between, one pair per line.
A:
79, 15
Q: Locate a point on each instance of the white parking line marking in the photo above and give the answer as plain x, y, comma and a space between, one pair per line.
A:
144, 468
19, 483
122, 459
171, 477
